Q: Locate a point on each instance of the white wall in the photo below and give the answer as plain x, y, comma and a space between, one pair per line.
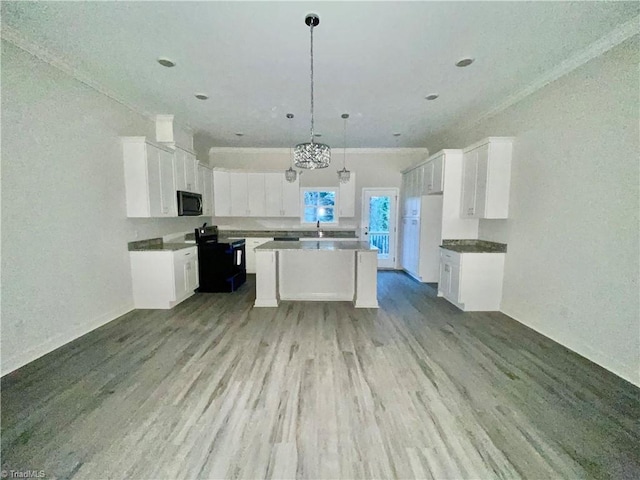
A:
65, 265
573, 244
373, 167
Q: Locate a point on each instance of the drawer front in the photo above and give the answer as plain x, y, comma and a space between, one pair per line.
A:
185, 253
449, 256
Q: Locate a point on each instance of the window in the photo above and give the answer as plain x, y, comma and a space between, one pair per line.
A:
319, 204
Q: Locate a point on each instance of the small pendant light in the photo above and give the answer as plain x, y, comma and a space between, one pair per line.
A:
344, 174
290, 175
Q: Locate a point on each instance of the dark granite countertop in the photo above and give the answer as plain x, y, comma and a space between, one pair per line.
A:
224, 235
474, 246
287, 233
319, 245
156, 244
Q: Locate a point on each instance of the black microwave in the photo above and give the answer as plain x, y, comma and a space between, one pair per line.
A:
189, 204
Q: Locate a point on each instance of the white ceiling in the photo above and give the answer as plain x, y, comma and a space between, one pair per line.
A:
374, 60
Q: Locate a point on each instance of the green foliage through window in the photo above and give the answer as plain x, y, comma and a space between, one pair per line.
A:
379, 214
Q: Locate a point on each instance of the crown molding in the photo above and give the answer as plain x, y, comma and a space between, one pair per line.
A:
57, 61
285, 151
597, 48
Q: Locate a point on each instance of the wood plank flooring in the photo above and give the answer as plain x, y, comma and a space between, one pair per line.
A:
416, 389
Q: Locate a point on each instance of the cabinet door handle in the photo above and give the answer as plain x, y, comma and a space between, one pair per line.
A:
187, 254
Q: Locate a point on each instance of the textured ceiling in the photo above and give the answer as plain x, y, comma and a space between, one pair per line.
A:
374, 60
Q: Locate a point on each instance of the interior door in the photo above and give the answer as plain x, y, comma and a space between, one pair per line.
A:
379, 224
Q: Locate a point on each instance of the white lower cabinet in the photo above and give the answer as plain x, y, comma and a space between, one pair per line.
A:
163, 278
471, 281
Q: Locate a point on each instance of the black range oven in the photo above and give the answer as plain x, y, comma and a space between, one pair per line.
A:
221, 265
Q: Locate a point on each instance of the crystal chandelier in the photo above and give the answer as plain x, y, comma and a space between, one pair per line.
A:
344, 174
312, 155
290, 175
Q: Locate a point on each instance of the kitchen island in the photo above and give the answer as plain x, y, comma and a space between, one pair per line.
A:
316, 271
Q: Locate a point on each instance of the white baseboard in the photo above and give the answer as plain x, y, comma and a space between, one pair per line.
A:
265, 303
317, 297
365, 305
24, 356
627, 372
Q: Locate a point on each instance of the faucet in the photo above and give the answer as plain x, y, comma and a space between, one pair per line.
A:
319, 232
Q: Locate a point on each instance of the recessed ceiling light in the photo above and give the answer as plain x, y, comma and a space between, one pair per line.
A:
239, 134
165, 62
464, 62
202, 96
432, 96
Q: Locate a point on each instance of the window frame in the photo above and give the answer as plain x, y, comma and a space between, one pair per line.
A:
334, 190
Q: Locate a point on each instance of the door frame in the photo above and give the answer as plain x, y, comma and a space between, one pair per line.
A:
392, 192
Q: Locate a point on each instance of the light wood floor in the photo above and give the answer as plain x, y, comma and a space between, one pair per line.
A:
416, 389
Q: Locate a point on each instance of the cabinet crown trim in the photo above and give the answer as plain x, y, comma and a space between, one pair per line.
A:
487, 140
147, 141
445, 151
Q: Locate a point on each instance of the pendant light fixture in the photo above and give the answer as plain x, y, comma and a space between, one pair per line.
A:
344, 174
290, 175
312, 155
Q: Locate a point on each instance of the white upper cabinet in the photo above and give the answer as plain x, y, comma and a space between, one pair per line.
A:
239, 194
433, 176
486, 178
256, 195
221, 193
186, 171
273, 190
290, 197
168, 197
347, 197
149, 178
205, 183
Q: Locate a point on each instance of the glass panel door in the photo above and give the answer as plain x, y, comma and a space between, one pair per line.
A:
379, 223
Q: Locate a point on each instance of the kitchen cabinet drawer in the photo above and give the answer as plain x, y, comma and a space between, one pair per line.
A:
450, 256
